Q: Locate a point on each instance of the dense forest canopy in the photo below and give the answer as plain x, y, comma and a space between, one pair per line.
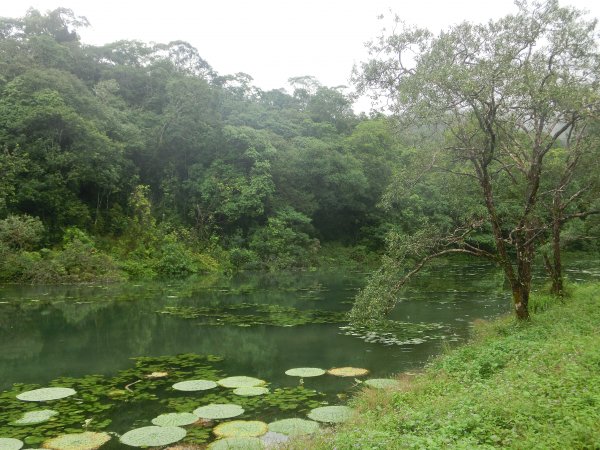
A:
140, 160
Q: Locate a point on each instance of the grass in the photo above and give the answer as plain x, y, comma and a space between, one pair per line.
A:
529, 385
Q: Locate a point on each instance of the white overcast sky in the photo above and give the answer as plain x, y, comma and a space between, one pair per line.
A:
271, 40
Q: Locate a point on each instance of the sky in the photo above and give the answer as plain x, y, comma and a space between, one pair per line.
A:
271, 40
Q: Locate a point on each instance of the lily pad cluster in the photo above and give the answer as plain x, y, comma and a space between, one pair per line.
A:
194, 390
393, 332
248, 314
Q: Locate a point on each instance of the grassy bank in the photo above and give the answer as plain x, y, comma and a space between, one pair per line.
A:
521, 386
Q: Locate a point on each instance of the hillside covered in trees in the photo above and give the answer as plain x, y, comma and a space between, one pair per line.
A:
139, 160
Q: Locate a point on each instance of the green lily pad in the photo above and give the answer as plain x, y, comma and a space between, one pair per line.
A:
10, 444
87, 440
331, 414
241, 428
305, 372
274, 440
294, 427
237, 382
46, 394
35, 417
237, 443
175, 419
219, 411
250, 391
153, 436
348, 372
382, 383
194, 385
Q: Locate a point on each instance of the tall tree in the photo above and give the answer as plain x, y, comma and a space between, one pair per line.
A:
505, 93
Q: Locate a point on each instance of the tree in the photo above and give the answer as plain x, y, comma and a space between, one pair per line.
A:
504, 94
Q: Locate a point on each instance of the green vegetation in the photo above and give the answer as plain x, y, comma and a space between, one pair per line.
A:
517, 385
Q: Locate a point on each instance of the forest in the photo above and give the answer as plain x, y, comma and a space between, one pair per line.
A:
133, 160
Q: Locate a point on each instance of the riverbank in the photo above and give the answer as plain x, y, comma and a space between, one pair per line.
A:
522, 386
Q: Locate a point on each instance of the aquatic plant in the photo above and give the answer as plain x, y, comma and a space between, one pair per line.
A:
35, 417
348, 372
294, 427
237, 443
394, 332
305, 372
194, 385
240, 381
250, 391
241, 428
46, 394
274, 440
331, 414
382, 383
153, 436
174, 419
258, 314
10, 444
219, 411
88, 440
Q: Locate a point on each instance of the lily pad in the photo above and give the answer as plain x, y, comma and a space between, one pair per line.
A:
46, 394
250, 391
294, 427
347, 372
87, 440
382, 383
241, 428
237, 443
274, 440
237, 382
331, 414
305, 372
153, 436
194, 385
219, 411
155, 375
175, 419
35, 417
10, 444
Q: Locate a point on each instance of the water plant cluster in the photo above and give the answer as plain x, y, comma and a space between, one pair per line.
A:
250, 314
394, 332
163, 400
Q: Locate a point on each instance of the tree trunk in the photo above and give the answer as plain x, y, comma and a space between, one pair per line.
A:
521, 301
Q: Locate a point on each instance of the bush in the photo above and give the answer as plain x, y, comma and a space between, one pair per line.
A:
21, 232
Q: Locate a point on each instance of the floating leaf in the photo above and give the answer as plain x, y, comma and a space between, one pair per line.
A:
250, 391
294, 427
175, 419
46, 394
347, 372
305, 372
237, 382
382, 383
331, 414
11, 444
35, 417
274, 440
219, 411
155, 375
237, 443
87, 440
153, 436
241, 428
194, 385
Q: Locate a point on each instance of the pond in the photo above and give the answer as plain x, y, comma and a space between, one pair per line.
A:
105, 341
